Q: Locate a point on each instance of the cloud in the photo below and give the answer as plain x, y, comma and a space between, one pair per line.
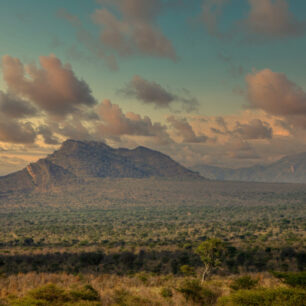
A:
64, 14
153, 93
15, 107
284, 125
241, 149
117, 124
135, 31
47, 135
148, 92
256, 129
266, 20
10, 164
88, 40
221, 122
275, 94
13, 131
246, 138
272, 19
185, 131
72, 128
211, 13
243, 126
53, 87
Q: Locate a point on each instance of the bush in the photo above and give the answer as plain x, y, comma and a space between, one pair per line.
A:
193, 291
294, 279
265, 297
244, 282
166, 292
88, 293
50, 295
187, 270
123, 297
28, 301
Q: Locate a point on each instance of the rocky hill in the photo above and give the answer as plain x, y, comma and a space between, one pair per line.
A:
290, 169
77, 160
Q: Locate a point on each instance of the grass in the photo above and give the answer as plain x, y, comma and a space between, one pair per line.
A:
109, 290
265, 297
53, 295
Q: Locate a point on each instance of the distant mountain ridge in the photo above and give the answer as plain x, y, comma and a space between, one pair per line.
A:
77, 160
289, 169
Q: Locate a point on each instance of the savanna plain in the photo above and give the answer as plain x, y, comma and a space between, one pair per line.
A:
154, 241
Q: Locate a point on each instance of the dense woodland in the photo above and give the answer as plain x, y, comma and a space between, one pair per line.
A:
135, 242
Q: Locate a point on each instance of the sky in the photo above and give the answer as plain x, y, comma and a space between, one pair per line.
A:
218, 82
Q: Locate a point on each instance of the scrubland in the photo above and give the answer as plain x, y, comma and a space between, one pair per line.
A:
134, 242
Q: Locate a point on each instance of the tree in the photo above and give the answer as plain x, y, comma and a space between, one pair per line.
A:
210, 252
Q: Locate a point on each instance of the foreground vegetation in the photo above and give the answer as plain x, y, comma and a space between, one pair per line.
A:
144, 242
148, 289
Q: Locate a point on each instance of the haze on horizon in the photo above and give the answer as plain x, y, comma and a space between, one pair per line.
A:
217, 82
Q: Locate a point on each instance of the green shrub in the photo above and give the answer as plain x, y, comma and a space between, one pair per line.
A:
166, 292
51, 295
193, 291
28, 301
123, 297
244, 282
265, 297
294, 279
88, 293
187, 270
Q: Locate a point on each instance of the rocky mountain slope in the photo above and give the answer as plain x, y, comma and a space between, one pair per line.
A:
77, 160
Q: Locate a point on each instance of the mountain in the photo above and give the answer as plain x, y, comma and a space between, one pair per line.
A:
77, 161
289, 169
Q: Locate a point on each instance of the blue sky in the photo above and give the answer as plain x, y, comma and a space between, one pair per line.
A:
213, 59
32, 28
